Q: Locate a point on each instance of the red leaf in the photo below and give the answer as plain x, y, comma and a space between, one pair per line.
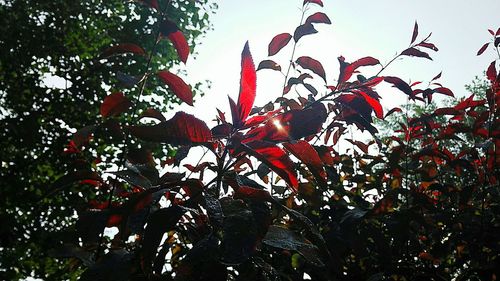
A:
361, 145
275, 158
395, 109
114, 104
269, 64
319, 2
400, 84
436, 77
279, 42
444, 91
469, 103
412, 52
374, 103
318, 18
347, 69
491, 73
415, 33
446, 111
483, 48
247, 192
124, 48
310, 157
491, 32
303, 30
428, 46
170, 30
153, 113
248, 84
183, 128
234, 113
498, 32
313, 65
177, 85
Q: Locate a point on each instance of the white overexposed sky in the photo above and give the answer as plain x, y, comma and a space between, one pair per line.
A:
359, 28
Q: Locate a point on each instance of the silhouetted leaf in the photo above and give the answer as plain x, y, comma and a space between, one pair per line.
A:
269, 64
400, 84
374, 103
313, 65
115, 265
303, 30
183, 128
278, 42
177, 86
318, 2
415, 53
153, 113
483, 48
415, 33
134, 178
124, 48
309, 156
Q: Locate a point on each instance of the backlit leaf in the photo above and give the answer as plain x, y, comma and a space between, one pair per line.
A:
248, 84
374, 103
114, 105
177, 86
310, 157
318, 18
275, 158
170, 30
278, 42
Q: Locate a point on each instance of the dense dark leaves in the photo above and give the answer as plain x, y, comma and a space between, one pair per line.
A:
278, 42
183, 128
177, 85
124, 48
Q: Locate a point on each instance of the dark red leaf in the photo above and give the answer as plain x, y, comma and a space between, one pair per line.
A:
279, 42
237, 122
498, 32
303, 30
115, 104
319, 2
491, 32
412, 52
275, 158
395, 109
347, 69
318, 18
436, 77
428, 46
361, 145
491, 73
248, 84
76, 176
183, 128
153, 113
400, 84
310, 157
124, 48
222, 130
177, 86
269, 64
170, 30
374, 103
444, 91
415, 33
483, 48
247, 192
313, 65
446, 111
469, 103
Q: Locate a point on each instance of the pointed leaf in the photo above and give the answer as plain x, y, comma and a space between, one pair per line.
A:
436, 77
395, 109
444, 91
114, 105
183, 128
318, 18
124, 48
412, 52
483, 48
347, 69
319, 2
400, 84
269, 64
177, 86
170, 30
415, 33
491, 73
278, 42
313, 65
237, 122
310, 157
275, 158
153, 113
303, 30
133, 178
428, 46
248, 84
374, 103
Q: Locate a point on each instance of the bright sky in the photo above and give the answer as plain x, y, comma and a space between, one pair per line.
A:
360, 28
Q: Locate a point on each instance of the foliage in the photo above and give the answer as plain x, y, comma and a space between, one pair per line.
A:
46, 41
421, 204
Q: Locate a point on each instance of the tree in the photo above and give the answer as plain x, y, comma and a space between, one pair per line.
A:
414, 206
66, 42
